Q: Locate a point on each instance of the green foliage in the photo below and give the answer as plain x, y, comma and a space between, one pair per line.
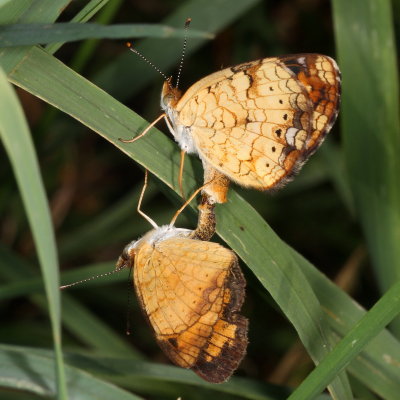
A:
349, 189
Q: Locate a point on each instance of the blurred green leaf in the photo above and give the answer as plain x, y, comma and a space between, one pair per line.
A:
10, 11
23, 369
371, 126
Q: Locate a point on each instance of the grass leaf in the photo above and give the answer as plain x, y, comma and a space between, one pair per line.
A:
16, 137
380, 315
371, 126
32, 34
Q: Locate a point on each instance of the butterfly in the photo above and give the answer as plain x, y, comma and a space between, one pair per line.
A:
191, 292
255, 123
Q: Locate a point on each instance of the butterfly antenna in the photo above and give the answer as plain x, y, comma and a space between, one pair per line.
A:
114, 271
145, 216
187, 23
133, 50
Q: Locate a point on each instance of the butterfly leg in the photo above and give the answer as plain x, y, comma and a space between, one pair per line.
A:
144, 132
186, 203
180, 180
139, 205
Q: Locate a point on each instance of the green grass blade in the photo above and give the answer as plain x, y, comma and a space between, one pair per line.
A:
334, 163
32, 34
17, 141
31, 371
378, 366
3, 3
380, 315
10, 11
371, 126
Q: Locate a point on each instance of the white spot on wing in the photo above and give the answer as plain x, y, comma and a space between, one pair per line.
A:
290, 135
302, 61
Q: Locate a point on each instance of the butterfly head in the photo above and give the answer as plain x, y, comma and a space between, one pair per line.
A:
169, 95
127, 258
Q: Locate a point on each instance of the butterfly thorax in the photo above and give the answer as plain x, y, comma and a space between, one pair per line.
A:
127, 258
170, 97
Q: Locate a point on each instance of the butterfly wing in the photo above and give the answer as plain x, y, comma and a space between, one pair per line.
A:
191, 292
258, 122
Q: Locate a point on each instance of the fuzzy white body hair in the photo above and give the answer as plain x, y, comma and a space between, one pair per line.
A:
180, 132
160, 234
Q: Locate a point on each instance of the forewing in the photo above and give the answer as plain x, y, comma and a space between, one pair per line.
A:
259, 121
191, 292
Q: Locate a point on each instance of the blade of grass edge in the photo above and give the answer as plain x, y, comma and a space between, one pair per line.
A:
17, 141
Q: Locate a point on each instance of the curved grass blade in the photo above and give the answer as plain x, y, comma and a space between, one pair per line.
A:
17, 141
378, 366
380, 315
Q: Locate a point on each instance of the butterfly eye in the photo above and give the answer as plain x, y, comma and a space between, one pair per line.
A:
165, 101
127, 258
